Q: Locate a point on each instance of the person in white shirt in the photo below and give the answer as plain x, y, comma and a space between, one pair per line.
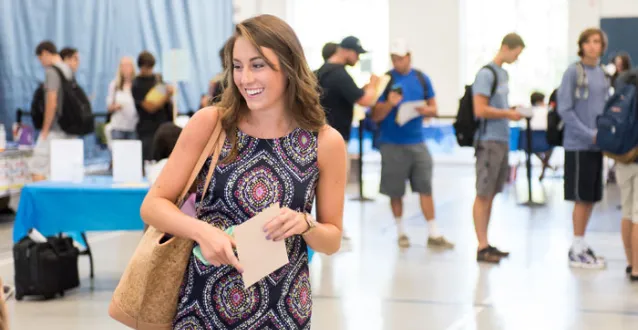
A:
540, 147
120, 102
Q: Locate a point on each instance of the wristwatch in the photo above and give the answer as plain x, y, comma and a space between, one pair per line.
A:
311, 224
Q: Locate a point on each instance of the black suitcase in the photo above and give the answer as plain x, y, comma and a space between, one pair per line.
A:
45, 269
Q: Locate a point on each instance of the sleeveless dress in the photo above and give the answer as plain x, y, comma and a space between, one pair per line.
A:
266, 171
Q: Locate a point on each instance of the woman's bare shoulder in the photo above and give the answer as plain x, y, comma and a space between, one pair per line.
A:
200, 126
330, 142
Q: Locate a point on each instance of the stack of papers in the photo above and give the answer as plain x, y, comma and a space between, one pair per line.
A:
407, 111
383, 83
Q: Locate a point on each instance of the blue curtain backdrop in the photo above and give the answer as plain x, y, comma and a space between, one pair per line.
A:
103, 31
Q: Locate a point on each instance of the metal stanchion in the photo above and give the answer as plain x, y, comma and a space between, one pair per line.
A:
361, 197
528, 164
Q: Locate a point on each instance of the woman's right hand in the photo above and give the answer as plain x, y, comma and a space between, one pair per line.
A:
217, 247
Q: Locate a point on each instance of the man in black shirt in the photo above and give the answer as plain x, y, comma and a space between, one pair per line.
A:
339, 91
151, 114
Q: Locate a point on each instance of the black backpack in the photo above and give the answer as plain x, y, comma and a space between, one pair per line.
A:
555, 125
37, 106
466, 123
75, 117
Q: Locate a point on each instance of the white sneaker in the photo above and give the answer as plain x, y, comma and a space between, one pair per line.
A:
586, 259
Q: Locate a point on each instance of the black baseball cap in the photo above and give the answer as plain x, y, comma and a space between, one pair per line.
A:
353, 43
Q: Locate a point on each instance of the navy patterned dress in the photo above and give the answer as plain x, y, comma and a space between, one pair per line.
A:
266, 171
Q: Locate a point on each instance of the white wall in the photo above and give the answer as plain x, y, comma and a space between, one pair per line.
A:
248, 8
587, 13
433, 30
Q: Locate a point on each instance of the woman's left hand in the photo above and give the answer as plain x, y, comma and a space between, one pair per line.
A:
286, 224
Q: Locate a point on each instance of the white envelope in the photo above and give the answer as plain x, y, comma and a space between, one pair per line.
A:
127, 161
258, 256
67, 160
407, 111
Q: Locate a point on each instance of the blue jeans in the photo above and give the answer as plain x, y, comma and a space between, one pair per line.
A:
123, 135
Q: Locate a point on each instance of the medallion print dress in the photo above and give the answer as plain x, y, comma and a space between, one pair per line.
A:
266, 171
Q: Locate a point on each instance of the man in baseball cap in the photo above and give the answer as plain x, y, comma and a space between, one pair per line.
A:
404, 154
339, 92
352, 43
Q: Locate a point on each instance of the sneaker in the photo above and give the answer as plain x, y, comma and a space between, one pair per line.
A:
498, 252
7, 291
586, 259
488, 255
403, 241
440, 242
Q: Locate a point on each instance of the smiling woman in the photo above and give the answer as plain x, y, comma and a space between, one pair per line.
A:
278, 150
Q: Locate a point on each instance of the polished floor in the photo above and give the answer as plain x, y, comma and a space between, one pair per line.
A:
372, 284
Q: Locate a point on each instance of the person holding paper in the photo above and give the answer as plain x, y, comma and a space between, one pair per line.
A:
339, 91
152, 101
120, 102
491, 106
404, 155
278, 151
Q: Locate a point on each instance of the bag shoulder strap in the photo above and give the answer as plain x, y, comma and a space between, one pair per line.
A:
421, 76
495, 83
63, 78
216, 139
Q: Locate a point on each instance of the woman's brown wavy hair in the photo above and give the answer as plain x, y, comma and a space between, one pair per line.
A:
301, 93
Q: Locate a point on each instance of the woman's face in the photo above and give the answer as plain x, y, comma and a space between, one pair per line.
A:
126, 68
261, 86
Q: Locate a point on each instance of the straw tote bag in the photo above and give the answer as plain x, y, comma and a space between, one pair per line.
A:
146, 296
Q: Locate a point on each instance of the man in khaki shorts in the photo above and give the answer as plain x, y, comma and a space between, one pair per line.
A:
490, 96
404, 155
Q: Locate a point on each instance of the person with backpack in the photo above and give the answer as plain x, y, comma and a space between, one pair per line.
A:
627, 179
490, 103
404, 154
56, 72
582, 95
71, 57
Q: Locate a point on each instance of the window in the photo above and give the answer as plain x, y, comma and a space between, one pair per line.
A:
543, 26
317, 22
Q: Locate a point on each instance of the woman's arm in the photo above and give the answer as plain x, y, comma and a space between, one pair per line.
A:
159, 209
326, 236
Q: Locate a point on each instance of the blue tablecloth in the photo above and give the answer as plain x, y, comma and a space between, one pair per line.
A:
96, 204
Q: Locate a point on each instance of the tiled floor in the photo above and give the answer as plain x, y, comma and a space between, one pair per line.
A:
373, 285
